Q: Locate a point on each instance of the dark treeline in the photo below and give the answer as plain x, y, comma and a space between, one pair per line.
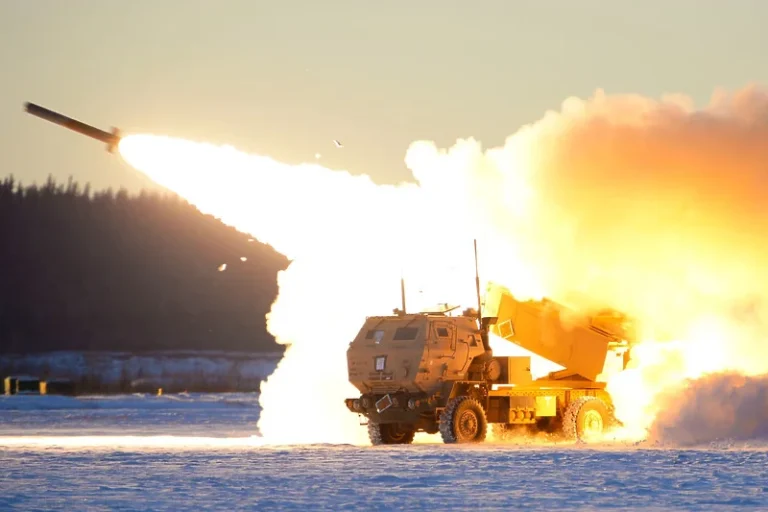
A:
86, 270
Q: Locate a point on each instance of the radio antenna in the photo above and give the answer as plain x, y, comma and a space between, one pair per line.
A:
477, 286
402, 290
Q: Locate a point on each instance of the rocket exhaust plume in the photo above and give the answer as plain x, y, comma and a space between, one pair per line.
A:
653, 207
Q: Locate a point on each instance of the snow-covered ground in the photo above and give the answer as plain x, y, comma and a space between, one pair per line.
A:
191, 452
194, 414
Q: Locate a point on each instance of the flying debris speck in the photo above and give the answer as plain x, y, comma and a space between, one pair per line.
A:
222, 267
317, 156
243, 258
338, 144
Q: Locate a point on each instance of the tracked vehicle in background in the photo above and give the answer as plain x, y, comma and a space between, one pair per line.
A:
436, 373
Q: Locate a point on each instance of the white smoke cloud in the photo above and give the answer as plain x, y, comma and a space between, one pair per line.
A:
649, 206
719, 407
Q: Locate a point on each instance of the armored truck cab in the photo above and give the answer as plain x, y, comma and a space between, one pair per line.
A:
402, 365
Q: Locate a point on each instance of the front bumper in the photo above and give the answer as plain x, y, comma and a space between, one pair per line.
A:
390, 406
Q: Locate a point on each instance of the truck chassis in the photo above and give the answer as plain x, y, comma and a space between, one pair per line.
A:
569, 410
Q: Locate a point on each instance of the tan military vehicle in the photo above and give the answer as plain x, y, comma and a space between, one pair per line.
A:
432, 372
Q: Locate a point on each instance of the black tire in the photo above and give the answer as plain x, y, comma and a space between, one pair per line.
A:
463, 421
586, 419
389, 433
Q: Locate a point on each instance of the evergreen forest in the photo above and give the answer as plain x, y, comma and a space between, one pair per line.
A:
109, 271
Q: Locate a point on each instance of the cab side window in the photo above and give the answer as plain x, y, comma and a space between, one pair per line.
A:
444, 337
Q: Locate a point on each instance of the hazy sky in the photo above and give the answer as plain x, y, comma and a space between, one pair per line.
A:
285, 78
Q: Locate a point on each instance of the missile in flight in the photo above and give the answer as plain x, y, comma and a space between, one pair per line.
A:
110, 139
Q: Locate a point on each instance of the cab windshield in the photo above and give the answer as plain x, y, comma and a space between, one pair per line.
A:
400, 334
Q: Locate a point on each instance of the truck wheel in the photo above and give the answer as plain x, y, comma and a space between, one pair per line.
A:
463, 421
389, 433
586, 419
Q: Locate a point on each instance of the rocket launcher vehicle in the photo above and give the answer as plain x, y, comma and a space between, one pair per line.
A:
434, 373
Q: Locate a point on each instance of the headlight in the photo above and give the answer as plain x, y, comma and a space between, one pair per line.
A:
356, 405
411, 404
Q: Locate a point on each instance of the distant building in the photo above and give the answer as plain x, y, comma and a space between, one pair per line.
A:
22, 384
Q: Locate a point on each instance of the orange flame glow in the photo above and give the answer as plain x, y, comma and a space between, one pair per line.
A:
652, 207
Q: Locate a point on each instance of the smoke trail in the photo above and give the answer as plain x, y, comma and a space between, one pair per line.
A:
650, 206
